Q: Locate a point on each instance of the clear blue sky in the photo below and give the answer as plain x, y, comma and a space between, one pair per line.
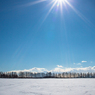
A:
29, 38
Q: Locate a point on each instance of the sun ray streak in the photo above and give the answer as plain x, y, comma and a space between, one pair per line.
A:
79, 14
50, 3
61, 8
33, 3
49, 11
76, 11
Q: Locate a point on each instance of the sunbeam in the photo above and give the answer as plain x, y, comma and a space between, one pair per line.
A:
79, 14
33, 3
57, 3
50, 10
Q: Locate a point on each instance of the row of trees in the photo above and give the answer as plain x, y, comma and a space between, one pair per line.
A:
45, 75
8, 75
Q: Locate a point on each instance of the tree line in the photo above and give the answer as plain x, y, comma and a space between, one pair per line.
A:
45, 75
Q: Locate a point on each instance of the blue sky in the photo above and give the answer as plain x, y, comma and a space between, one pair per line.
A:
38, 35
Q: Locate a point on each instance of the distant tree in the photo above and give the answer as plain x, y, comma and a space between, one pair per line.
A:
80, 75
59, 75
31, 74
35, 75
15, 75
56, 75
63, 74
74, 75
3, 76
49, 74
66, 74
94, 74
21, 74
70, 74
88, 75
0, 74
91, 75
83, 75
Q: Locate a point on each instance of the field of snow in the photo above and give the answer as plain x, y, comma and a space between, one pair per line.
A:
47, 86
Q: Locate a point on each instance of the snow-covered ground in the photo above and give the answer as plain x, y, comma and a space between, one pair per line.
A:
47, 86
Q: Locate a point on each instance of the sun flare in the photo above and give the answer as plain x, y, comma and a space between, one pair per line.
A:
60, 1
58, 4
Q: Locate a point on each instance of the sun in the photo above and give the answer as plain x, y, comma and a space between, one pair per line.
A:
60, 1
58, 5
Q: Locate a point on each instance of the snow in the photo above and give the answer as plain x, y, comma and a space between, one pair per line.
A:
47, 86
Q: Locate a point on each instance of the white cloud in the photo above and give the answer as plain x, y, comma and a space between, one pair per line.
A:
74, 63
59, 66
35, 69
81, 69
57, 70
83, 61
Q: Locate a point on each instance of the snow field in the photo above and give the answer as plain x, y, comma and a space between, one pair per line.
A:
47, 86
